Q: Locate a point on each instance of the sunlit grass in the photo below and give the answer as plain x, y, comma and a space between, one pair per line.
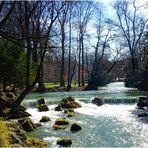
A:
51, 85
55, 85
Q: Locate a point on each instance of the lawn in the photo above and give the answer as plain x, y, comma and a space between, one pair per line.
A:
54, 85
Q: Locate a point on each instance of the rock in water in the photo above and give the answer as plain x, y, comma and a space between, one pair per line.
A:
144, 114
143, 101
45, 119
42, 108
75, 127
68, 102
64, 142
97, 101
58, 127
58, 108
61, 121
41, 101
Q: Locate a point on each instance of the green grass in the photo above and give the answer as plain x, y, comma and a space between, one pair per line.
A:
138, 93
54, 85
51, 85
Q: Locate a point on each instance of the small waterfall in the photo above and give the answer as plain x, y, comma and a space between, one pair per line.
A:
33, 102
121, 101
30, 103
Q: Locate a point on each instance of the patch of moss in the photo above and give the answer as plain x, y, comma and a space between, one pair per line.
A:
4, 135
27, 124
61, 121
58, 127
31, 142
42, 107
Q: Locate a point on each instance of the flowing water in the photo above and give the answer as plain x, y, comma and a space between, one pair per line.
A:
114, 124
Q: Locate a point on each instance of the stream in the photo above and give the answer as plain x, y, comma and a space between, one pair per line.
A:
114, 124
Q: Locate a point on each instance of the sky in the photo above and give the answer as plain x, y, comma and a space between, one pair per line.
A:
108, 2
110, 13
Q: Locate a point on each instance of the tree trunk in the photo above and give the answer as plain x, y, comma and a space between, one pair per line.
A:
79, 66
134, 63
27, 36
41, 87
62, 82
30, 87
69, 59
4, 85
28, 66
83, 81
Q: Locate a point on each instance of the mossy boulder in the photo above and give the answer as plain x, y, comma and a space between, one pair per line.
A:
31, 142
69, 110
67, 103
45, 119
27, 124
72, 104
58, 127
75, 127
61, 121
64, 142
42, 108
144, 114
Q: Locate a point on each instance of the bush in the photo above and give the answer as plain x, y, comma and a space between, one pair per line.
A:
143, 83
97, 79
132, 78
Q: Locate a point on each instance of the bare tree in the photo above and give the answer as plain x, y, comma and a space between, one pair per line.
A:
84, 11
131, 25
69, 56
104, 35
26, 38
6, 9
63, 21
116, 58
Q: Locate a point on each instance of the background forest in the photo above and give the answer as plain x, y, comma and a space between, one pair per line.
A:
73, 43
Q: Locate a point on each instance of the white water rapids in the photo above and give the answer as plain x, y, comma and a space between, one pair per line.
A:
110, 125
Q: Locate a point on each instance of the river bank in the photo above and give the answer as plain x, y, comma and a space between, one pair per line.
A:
114, 124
